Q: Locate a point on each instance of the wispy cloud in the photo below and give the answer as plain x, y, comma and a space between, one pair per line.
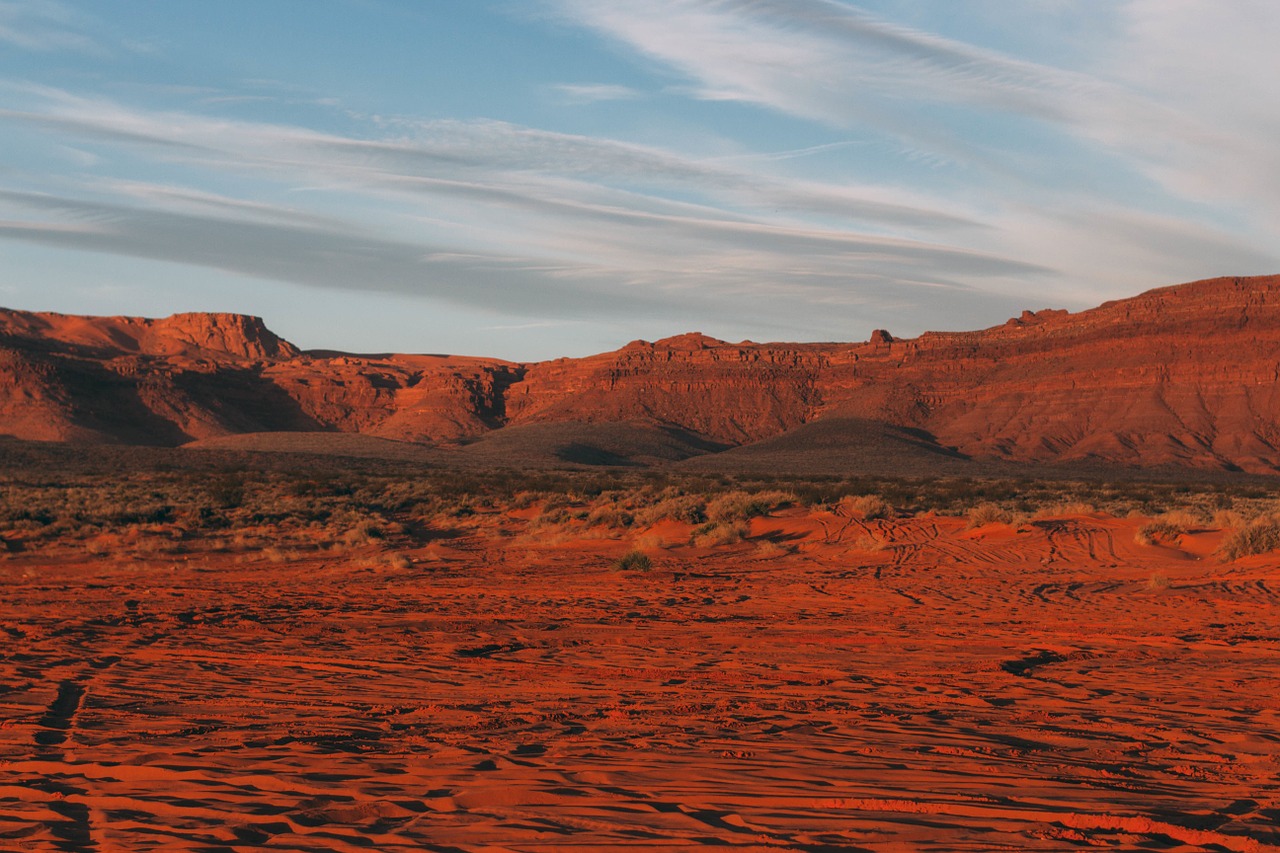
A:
590, 93
552, 222
1192, 135
43, 25
943, 178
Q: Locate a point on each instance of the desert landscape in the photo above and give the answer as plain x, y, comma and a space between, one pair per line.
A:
230, 650
831, 426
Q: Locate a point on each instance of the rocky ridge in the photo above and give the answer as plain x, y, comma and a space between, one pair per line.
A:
1185, 375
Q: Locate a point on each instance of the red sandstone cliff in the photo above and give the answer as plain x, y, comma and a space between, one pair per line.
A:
1185, 375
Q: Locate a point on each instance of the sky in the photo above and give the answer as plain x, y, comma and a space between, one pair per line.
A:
529, 179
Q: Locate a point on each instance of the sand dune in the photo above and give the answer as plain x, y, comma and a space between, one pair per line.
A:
830, 684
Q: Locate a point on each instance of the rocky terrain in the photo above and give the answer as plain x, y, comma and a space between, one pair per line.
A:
1185, 376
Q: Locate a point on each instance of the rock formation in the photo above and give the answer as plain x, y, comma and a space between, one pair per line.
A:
1186, 375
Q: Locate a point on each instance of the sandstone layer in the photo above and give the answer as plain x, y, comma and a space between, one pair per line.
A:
1185, 375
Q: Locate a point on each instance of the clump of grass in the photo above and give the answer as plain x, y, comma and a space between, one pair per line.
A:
1158, 581
1259, 537
363, 533
650, 542
868, 506
988, 513
1228, 519
611, 516
396, 560
740, 505
1058, 510
633, 561
719, 533
1169, 525
687, 508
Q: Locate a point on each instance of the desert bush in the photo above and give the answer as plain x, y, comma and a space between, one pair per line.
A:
396, 560
868, 506
549, 518
524, 499
1258, 537
686, 508
611, 516
1228, 519
1169, 525
649, 542
769, 548
1184, 518
988, 513
1058, 510
719, 533
741, 505
633, 561
362, 534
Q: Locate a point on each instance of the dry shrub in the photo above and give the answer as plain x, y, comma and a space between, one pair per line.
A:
1259, 537
1058, 510
988, 513
686, 508
1228, 519
1186, 519
868, 506
610, 516
553, 517
633, 561
1169, 525
650, 542
719, 533
398, 561
523, 500
769, 548
740, 506
362, 534
1158, 581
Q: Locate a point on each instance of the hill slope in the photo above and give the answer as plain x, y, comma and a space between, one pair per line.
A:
1185, 375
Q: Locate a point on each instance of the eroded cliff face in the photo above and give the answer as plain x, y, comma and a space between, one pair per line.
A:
1185, 375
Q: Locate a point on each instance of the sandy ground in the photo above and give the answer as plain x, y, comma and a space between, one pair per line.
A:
1052, 689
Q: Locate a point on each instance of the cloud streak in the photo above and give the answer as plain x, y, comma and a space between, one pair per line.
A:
532, 222
930, 178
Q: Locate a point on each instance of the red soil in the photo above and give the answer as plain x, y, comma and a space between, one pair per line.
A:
828, 684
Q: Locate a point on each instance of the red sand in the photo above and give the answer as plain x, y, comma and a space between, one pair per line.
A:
1052, 689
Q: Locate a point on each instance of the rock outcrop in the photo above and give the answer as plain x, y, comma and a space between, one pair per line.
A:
1186, 375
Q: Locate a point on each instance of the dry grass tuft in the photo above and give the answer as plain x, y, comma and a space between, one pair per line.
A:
868, 506
715, 533
740, 505
988, 513
1169, 526
1259, 537
633, 561
689, 509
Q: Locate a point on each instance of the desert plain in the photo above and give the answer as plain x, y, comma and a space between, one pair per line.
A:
217, 651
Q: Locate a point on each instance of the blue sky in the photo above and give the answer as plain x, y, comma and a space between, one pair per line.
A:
557, 177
